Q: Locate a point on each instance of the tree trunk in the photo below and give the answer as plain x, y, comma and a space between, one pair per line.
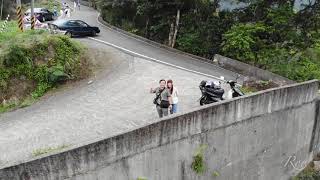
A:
146, 33
171, 34
1, 10
176, 29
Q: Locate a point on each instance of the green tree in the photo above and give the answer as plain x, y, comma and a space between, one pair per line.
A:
243, 41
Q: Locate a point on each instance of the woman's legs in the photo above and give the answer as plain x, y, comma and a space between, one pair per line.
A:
174, 108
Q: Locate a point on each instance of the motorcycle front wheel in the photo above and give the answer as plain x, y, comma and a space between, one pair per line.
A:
202, 101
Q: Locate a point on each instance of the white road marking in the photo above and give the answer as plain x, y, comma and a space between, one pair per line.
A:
158, 47
155, 60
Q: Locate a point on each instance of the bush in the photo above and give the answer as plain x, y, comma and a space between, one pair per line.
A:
38, 57
21, 60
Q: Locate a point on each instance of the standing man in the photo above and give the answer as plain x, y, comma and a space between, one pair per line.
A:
64, 5
163, 100
68, 11
55, 11
78, 2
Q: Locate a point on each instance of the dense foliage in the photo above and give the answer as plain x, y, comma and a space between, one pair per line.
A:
35, 61
277, 35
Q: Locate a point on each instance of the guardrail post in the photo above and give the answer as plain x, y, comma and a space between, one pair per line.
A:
20, 15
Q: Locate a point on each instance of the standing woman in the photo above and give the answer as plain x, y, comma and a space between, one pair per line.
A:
75, 5
78, 2
68, 12
174, 94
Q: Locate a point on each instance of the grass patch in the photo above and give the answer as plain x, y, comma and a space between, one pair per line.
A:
141, 178
308, 174
33, 62
47, 150
11, 30
27, 102
215, 174
248, 89
252, 86
7, 107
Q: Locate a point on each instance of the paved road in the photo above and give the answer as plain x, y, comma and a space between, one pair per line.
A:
90, 16
116, 101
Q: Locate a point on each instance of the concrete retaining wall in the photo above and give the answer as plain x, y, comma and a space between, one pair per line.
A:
315, 144
251, 71
85, 3
263, 136
221, 61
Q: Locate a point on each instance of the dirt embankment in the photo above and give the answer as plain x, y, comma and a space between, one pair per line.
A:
29, 70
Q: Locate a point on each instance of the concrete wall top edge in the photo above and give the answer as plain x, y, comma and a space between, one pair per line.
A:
250, 70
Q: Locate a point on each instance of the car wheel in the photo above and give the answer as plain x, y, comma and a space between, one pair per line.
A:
69, 34
93, 33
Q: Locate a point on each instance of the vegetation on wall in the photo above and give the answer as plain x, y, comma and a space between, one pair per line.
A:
276, 35
308, 174
198, 165
33, 62
42, 151
141, 178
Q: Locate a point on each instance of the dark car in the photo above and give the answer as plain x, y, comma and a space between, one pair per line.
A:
74, 28
42, 14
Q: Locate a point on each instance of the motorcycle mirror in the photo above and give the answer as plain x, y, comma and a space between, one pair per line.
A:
238, 76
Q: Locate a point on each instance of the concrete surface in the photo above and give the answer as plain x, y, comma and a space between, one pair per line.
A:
315, 144
248, 138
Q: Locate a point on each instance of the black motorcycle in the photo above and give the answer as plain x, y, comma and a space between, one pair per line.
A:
236, 91
211, 93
